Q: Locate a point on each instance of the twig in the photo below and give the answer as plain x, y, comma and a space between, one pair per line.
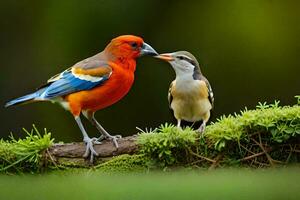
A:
196, 162
199, 156
277, 161
252, 156
51, 158
262, 148
255, 133
247, 149
290, 154
260, 163
215, 164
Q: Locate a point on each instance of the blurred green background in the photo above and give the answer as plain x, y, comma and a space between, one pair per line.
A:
249, 50
229, 184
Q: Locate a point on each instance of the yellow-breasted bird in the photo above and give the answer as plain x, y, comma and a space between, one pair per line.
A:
190, 94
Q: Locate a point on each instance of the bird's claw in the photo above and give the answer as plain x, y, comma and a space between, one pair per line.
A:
96, 140
201, 128
113, 138
90, 151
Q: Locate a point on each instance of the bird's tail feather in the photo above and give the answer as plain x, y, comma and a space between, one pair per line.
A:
22, 100
36, 96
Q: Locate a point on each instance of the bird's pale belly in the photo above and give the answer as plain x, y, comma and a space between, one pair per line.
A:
190, 109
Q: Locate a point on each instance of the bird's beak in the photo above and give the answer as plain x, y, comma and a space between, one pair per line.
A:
166, 56
147, 50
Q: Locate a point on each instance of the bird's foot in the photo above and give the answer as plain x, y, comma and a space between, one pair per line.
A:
179, 128
113, 138
90, 151
201, 128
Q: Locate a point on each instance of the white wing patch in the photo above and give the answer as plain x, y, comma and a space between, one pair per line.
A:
86, 77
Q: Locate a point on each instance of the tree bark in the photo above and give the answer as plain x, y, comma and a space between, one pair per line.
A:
71, 154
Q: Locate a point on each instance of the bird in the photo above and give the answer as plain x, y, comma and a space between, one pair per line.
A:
93, 84
190, 95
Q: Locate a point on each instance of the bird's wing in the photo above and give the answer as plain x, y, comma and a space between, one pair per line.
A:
89, 63
78, 78
170, 97
210, 92
58, 76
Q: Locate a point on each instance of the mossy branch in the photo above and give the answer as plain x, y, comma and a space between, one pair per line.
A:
266, 136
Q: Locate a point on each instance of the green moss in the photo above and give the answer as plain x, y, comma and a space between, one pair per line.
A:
167, 144
24, 154
125, 163
233, 138
261, 137
276, 122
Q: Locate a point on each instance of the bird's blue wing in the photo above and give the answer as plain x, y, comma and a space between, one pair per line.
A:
76, 79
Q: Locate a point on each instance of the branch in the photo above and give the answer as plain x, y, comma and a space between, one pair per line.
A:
71, 153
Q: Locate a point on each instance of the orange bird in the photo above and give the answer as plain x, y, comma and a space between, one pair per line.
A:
93, 84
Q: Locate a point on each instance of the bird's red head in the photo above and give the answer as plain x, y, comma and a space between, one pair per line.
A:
129, 47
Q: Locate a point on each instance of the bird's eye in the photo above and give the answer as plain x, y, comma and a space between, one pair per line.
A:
134, 45
187, 60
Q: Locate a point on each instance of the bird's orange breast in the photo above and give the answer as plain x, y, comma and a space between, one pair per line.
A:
104, 95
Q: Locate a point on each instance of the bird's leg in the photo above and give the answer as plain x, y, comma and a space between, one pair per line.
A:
179, 123
89, 142
105, 134
202, 127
